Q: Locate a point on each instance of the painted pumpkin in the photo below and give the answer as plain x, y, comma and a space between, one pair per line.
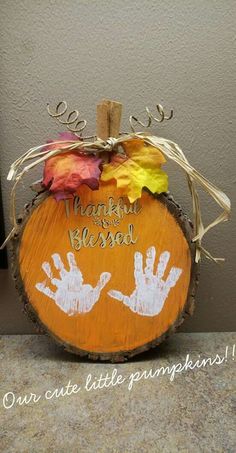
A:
106, 277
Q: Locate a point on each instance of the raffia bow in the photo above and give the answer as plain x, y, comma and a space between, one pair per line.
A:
170, 149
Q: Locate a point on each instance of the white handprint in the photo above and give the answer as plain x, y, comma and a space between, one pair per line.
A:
71, 295
151, 290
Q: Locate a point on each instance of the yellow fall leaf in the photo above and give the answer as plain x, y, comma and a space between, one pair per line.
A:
139, 167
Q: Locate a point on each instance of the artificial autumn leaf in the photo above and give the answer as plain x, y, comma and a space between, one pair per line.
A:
64, 173
139, 167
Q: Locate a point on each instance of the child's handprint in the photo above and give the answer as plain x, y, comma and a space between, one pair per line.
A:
71, 295
151, 290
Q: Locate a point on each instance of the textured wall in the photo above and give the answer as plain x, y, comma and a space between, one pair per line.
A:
141, 52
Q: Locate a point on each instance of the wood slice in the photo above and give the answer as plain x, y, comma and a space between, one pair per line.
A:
106, 278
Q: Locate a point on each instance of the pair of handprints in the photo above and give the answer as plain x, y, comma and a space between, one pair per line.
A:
73, 296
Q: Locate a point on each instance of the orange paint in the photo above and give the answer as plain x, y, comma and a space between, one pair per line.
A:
110, 326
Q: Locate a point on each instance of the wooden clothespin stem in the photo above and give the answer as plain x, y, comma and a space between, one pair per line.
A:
108, 119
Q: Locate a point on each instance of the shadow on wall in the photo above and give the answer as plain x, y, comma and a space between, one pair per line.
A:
3, 254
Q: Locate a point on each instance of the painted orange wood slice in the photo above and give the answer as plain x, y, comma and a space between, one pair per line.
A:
105, 277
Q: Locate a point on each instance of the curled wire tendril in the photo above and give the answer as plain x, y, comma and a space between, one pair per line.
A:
151, 118
72, 121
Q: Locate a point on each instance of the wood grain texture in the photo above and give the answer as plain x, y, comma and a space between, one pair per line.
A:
114, 117
102, 122
110, 330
